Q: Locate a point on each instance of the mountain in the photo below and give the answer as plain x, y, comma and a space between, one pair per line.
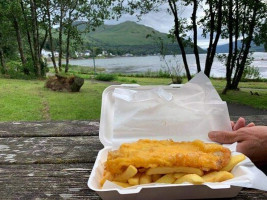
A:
224, 48
130, 37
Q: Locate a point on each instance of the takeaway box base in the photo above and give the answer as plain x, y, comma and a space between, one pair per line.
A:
155, 192
180, 113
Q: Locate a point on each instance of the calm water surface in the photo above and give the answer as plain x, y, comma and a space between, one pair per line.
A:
154, 63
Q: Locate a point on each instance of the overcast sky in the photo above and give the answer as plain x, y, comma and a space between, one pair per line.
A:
163, 22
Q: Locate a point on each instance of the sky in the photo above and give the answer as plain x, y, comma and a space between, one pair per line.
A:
163, 22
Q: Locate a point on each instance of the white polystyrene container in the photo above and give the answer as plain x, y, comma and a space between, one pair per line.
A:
144, 192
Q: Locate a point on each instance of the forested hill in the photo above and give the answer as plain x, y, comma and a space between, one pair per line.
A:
224, 48
130, 37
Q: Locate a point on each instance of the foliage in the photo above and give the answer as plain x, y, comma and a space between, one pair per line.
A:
15, 70
27, 27
105, 77
223, 19
250, 72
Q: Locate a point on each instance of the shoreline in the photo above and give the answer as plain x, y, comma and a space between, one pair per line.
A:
153, 63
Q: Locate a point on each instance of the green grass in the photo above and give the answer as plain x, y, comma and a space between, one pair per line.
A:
22, 100
28, 100
82, 105
144, 80
244, 97
19, 100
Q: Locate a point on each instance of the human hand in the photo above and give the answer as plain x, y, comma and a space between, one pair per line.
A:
240, 123
251, 141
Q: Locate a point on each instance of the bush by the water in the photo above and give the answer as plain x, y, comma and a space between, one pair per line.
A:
16, 70
105, 77
83, 69
149, 74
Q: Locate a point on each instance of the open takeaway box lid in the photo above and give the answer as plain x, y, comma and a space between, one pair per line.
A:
178, 112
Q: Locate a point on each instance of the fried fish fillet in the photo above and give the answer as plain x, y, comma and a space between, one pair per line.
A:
158, 153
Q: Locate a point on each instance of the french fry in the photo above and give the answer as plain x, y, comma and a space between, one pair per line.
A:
128, 173
145, 179
124, 185
179, 175
169, 170
191, 178
217, 176
233, 162
168, 178
135, 180
107, 176
155, 177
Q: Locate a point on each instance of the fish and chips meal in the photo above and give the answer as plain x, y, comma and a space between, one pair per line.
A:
165, 161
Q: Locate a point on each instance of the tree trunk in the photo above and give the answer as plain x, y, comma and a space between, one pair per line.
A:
236, 36
246, 51
67, 51
51, 37
20, 45
230, 53
172, 4
60, 35
2, 60
19, 41
35, 38
213, 45
195, 35
243, 32
43, 42
212, 27
28, 33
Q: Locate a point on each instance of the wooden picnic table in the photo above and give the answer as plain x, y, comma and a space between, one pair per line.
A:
53, 160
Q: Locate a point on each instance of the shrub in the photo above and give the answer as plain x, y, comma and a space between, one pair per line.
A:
16, 70
106, 77
250, 72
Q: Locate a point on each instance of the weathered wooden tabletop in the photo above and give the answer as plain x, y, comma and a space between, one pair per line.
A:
53, 160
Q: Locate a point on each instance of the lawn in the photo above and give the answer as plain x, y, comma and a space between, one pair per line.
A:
27, 100
24, 100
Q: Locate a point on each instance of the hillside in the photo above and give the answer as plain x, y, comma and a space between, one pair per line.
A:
130, 37
225, 47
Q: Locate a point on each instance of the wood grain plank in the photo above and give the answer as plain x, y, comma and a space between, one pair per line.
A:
26, 150
46, 181
62, 181
51, 128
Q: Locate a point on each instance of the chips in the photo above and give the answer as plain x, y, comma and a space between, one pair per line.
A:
168, 170
133, 176
130, 172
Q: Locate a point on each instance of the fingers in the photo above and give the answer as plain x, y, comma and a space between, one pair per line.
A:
223, 136
251, 124
241, 122
232, 124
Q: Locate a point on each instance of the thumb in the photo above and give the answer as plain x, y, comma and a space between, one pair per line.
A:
223, 136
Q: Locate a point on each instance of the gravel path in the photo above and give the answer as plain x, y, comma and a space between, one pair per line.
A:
244, 110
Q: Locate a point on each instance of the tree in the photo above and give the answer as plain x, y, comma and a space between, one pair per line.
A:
246, 19
211, 24
7, 37
50, 26
93, 14
14, 14
34, 18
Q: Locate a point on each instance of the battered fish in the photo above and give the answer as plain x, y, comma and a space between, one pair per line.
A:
154, 153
